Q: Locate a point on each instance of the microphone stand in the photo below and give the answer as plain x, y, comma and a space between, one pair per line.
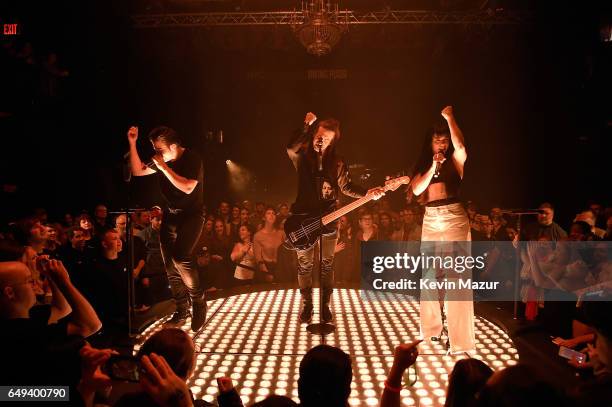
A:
129, 264
129, 241
517, 271
320, 328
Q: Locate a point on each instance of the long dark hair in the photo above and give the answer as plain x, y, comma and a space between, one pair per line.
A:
424, 161
175, 346
165, 134
468, 377
325, 377
329, 157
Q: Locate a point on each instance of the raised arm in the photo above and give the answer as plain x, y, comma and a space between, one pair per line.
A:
137, 167
460, 153
83, 320
237, 254
404, 357
300, 137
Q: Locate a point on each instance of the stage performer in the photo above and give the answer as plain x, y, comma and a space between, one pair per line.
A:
445, 221
321, 174
180, 172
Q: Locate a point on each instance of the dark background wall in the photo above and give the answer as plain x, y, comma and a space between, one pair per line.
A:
532, 100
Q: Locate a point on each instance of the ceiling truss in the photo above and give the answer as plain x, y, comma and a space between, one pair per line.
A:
416, 17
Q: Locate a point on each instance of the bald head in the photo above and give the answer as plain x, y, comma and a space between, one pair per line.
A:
16, 290
12, 272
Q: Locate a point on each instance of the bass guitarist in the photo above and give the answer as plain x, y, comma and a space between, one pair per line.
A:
312, 151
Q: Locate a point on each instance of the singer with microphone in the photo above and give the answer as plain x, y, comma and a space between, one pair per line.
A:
180, 173
321, 174
438, 179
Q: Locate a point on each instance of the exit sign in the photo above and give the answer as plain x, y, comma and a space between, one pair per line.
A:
10, 29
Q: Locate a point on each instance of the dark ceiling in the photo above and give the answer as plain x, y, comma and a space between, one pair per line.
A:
176, 6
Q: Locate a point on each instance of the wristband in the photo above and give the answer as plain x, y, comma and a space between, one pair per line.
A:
391, 388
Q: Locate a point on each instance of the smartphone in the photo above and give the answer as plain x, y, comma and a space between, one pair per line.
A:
124, 368
570, 354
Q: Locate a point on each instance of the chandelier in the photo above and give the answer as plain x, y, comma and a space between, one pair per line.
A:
321, 26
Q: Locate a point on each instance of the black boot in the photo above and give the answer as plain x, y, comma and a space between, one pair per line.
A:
326, 314
199, 315
178, 319
306, 312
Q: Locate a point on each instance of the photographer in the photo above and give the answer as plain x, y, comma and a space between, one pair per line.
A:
167, 361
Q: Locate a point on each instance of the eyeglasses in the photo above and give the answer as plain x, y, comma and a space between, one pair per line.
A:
29, 281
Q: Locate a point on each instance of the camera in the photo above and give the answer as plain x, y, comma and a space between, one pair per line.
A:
124, 368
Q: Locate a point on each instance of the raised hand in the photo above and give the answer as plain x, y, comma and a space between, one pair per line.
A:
56, 271
92, 377
162, 384
159, 161
405, 355
447, 113
132, 134
225, 384
310, 118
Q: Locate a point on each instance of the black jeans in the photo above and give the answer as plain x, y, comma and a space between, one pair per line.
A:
306, 263
180, 231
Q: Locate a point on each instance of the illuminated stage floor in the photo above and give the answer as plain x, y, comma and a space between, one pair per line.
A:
257, 340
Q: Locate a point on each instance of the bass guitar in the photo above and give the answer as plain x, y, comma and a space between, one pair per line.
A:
303, 229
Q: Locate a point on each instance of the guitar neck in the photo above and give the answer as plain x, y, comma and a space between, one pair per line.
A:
389, 185
345, 209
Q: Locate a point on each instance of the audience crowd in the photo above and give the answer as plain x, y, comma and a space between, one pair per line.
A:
56, 277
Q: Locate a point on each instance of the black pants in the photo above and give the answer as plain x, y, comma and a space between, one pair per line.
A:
180, 231
306, 263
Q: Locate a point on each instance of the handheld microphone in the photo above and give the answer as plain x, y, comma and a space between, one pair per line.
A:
438, 165
320, 153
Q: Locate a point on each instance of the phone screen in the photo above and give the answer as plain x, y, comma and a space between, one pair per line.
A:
125, 368
568, 353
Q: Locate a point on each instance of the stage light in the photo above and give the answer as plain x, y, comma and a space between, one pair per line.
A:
245, 328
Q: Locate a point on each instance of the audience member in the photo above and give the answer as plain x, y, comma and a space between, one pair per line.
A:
283, 214
325, 377
141, 219
411, 227
168, 361
36, 340
100, 217
386, 230
30, 232
343, 258
265, 246
220, 249
234, 223
468, 377
546, 225
405, 356
154, 275
76, 258
110, 276
85, 223
519, 386
243, 257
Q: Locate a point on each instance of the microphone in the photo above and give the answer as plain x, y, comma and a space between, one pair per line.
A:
320, 153
438, 165
151, 165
